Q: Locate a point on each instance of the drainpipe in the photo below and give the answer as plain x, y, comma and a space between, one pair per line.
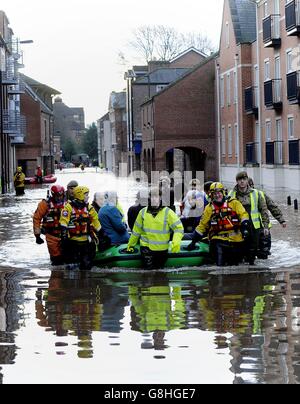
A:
236, 58
219, 121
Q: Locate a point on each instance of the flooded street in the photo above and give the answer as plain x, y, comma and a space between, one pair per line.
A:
186, 326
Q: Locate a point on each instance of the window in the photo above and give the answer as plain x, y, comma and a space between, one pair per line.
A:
227, 35
291, 127
278, 129
236, 139
268, 131
160, 87
266, 9
289, 61
267, 70
223, 140
235, 95
222, 91
228, 89
229, 140
45, 129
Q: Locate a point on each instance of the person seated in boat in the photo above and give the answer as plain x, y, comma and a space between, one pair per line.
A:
19, 182
46, 220
98, 201
80, 227
134, 210
227, 224
112, 221
194, 204
153, 229
39, 175
70, 190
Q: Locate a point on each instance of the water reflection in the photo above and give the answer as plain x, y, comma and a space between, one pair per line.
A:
11, 300
76, 304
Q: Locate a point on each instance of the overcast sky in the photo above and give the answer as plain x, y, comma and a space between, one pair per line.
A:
76, 43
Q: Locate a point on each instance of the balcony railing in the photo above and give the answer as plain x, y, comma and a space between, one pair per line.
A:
293, 87
294, 155
17, 89
273, 94
252, 153
292, 17
271, 31
13, 123
274, 152
251, 100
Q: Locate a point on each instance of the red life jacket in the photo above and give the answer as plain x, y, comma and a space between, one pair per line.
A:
80, 222
51, 223
223, 219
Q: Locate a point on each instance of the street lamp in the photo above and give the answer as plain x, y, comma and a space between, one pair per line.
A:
259, 137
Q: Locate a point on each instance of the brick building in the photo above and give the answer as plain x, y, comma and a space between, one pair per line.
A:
69, 124
258, 86
143, 82
118, 130
38, 147
12, 123
182, 117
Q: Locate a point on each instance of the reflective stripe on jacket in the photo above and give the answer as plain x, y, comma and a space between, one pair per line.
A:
255, 214
155, 232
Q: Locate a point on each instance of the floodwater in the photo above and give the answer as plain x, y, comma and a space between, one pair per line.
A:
174, 327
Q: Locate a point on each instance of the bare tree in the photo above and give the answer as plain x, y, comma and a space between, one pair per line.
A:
144, 41
168, 43
159, 42
199, 41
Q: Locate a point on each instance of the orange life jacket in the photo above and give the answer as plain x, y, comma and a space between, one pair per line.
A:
223, 219
51, 223
80, 222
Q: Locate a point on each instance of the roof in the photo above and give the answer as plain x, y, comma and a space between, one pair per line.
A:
191, 49
243, 14
162, 76
36, 84
189, 71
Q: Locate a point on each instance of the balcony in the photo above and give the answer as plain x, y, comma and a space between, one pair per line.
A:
294, 155
16, 89
292, 17
293, 87
274, 153
271, 31
252, 153
14, 123
251, 101
273, 94
9, 78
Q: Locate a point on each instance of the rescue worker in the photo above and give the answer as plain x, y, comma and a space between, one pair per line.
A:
80, 226
265, 243
46, 221
19, 182
70, 190
112, 220
226, 223
256, 207
39, 175
153, 228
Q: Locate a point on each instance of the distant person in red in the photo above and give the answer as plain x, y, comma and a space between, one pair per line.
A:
39, 175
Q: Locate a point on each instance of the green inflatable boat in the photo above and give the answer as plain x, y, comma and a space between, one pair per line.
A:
118, 257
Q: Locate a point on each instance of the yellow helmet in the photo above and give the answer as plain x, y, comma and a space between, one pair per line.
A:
80, 192
217, 187
19, 169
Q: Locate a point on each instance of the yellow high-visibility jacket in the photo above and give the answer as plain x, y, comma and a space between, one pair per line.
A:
234, 236
155, 232
80, 222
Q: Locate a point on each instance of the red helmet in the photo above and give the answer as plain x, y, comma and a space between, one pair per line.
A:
57, 190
